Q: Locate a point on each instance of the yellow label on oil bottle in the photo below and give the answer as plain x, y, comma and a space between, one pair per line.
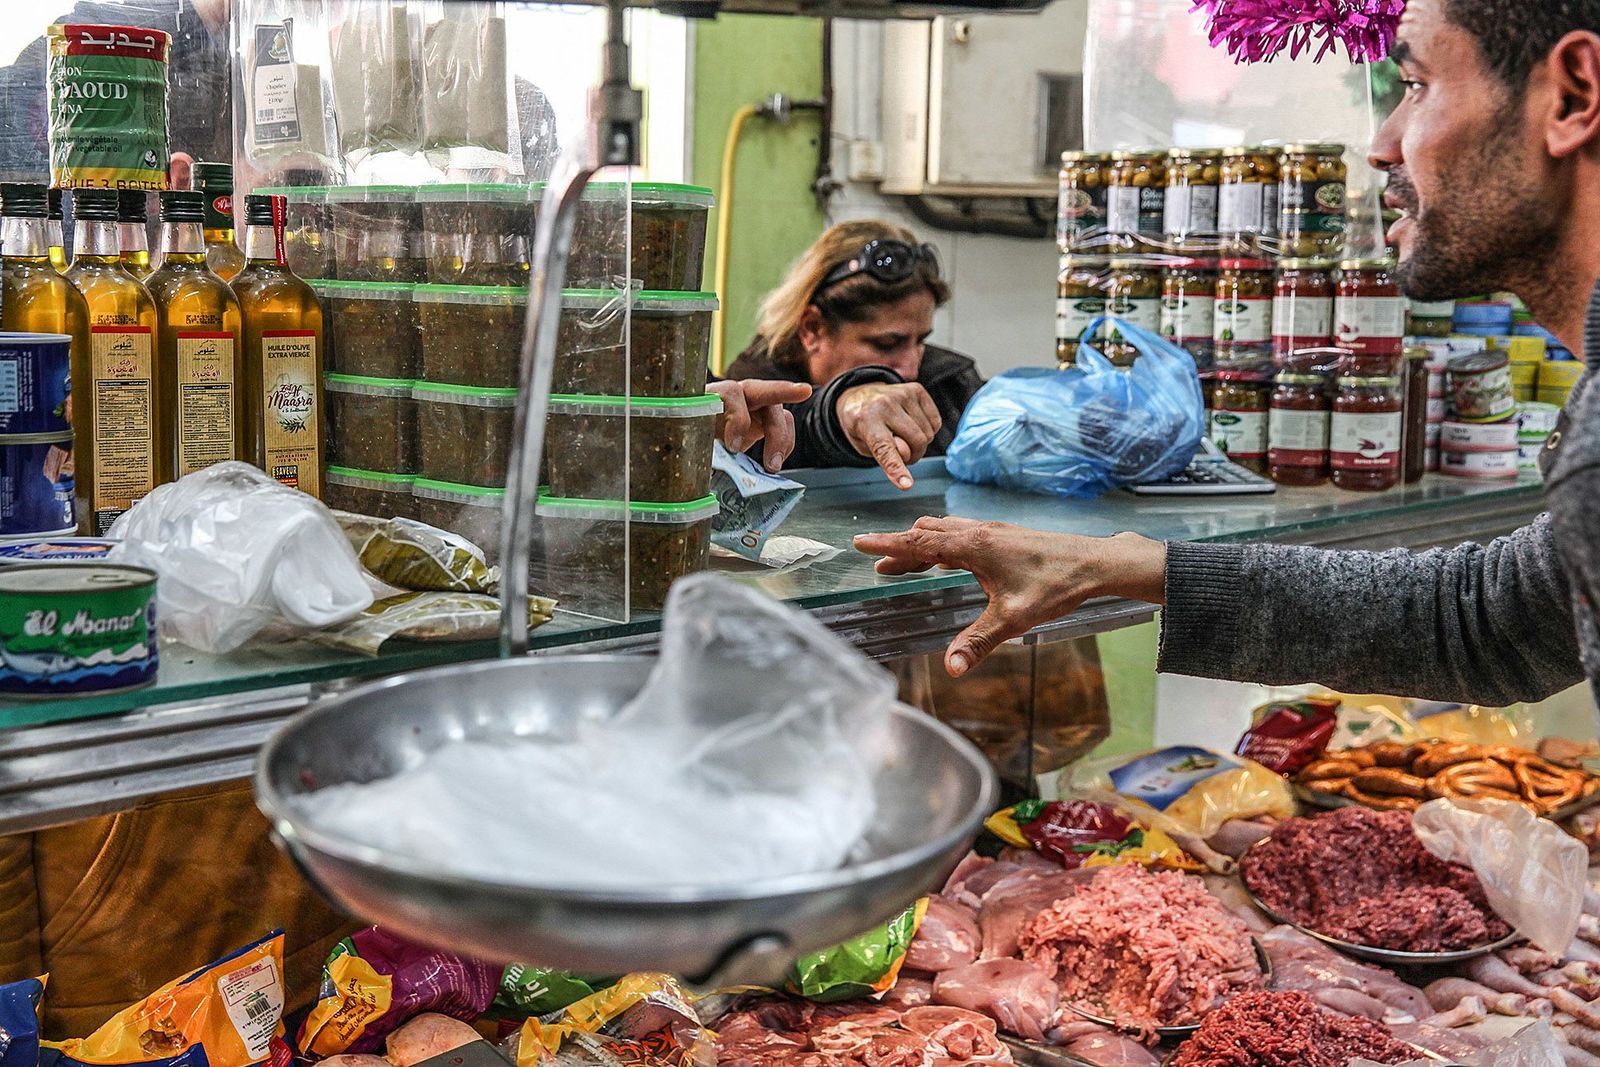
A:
293, 423
207, 408
124, 419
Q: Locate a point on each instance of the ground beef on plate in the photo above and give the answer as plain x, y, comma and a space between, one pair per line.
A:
1286, 1030
1363, 876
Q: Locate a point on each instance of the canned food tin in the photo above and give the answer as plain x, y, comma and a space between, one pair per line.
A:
36, 485
35, 383
1479, 464
1480, 387
72, 629
55, 550
1479, 437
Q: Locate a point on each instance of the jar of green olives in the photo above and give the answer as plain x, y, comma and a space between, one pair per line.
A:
1188, 307
1193, 177
1311, 190
1080, 299
1133, 296
1081, 206
1136, 198
1247, 202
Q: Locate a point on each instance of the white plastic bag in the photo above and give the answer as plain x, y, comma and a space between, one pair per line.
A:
236, 552
1532, 1046
751, 753
1532, 871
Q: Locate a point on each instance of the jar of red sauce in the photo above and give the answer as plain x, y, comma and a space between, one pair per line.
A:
1297, 429
1369, 316
1302, 311
1239, 416
1365, 432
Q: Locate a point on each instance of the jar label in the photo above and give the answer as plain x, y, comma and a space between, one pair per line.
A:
1122, 209
1369, 318
1243, 320
1436, 409
1303, 318
123, 419
1074, 314
1152, 210
1240, 207
1298, 438
1141, 311
293, 423
1080, 213
1365, 440
1269, 208
1190, 209
206, 400
1188, 317
1241, 434
1321, 199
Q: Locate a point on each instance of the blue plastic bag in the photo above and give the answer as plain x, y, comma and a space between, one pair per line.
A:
1082, 431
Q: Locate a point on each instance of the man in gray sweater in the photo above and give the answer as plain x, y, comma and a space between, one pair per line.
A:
1494, 158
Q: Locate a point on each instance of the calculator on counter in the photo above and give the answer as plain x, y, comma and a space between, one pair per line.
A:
1210, 473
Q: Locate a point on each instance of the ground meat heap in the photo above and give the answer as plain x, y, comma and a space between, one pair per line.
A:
1287, 1030
1145, 949
1362, 876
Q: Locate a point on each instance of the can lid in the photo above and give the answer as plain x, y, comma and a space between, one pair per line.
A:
43, 579
19, 338
466, 395
684, 514
475, 193
457, 493
653, 194
669, 407
353, 476
363, 290
45, 550
1305, 264
1478, 363
470, 294
372, 194
367, 386
1320, 148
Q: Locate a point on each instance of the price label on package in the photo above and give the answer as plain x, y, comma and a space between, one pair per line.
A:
253, 996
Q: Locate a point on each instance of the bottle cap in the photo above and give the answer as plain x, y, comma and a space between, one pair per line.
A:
23, 200
94, 205
131, 206
183, 206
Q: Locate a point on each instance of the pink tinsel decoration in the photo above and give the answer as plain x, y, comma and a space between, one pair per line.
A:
1257, 31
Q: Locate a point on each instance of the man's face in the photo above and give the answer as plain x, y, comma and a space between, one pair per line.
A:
1472, 177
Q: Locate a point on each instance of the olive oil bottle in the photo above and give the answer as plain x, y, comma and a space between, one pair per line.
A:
200, 360
58, 242
133, 242
35, 298
282, 354
122, 381
215, 182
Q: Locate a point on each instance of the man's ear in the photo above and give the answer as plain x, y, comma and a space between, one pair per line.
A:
1573, 67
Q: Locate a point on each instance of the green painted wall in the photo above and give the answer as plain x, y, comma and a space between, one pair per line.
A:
1128, 658
742, 59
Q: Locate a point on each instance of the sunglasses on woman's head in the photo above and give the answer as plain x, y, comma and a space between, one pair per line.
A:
889, 261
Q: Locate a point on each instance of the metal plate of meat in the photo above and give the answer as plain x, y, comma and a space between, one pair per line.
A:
1331, 801
1167, 1033
1426, 1054
1391, 956
932, 796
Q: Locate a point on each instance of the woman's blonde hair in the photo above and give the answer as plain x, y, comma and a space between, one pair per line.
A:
850, 300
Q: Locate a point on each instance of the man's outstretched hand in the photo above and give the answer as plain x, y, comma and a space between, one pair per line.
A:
1031, 577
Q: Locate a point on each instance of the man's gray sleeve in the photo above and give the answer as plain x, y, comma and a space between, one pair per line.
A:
1476, 624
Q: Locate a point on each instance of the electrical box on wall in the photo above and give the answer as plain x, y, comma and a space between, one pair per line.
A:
984, 105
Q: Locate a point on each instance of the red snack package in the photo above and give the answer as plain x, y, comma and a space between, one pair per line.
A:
1288, 735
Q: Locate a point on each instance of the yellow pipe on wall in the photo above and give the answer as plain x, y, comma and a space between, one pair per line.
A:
730, 151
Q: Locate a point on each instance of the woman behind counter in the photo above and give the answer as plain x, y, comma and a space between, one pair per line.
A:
853, 319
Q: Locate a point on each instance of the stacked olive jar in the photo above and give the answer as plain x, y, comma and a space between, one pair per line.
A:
427, 289
1235, 255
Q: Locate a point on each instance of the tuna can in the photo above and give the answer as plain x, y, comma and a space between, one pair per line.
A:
1479, 436
56, 550
1480, 388
1479, 464
36, 485
73, 629
35, 383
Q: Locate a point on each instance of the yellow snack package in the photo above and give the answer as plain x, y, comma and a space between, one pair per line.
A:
1084, 833
227, 1014
1184, 791
643, 1019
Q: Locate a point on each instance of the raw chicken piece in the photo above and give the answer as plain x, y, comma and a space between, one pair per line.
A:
1110, 1049
1354, 1002
964, 1034
1447, 1043
1300, 961
1027, 857
1500, 976
909, 993
427, 1036
1469, 1012
1528, 959
1446, 993
1568, 1001
976, 875
948, 937
1015, 994
1236, 836
1014, 903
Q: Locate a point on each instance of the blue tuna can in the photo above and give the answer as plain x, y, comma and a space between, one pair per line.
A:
35, 383
36, 484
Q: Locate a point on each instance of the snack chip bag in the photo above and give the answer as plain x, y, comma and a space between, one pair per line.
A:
1183, 791
861, 967
529, 991
1286, 735
643, 1019
1083, 833
226, 1014
374, 982
19, 1022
